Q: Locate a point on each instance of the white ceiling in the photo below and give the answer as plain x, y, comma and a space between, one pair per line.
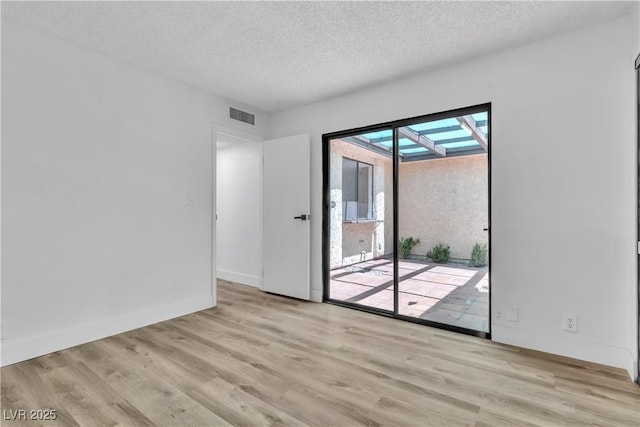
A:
279, 55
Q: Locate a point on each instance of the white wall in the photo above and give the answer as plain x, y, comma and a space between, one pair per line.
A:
99, 159
239, 209
563, 181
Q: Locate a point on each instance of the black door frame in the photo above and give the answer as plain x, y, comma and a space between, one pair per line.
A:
326, 209
637, 66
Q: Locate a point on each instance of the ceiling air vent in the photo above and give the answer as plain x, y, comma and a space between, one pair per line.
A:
243, 116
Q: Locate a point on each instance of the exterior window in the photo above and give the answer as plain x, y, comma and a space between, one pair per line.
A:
357, 190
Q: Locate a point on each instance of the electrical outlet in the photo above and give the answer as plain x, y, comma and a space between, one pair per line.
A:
570, 322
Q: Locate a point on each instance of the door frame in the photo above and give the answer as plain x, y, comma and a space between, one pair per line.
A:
219, 130
326, 212
637, 69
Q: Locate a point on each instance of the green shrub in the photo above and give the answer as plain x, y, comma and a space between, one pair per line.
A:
440, 253
478, 255
406, 245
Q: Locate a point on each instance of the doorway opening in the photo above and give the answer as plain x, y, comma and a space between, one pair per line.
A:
406, 219
238, 208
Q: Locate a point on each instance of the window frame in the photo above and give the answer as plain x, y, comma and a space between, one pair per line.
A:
370, 190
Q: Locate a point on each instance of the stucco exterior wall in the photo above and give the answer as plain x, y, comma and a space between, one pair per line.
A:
335, 212
389, 245
441, 200
444, 200
353, 242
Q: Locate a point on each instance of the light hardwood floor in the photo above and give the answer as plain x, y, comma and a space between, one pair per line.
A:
259, 359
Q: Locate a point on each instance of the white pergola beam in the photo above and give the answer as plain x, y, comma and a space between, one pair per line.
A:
422, 140
469, 123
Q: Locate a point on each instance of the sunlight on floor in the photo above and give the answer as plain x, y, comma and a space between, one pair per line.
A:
453, 295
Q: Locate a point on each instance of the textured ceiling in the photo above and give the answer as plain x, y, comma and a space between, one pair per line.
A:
278, 55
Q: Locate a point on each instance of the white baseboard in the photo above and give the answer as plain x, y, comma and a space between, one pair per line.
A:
569, 345
233, 276
14, 351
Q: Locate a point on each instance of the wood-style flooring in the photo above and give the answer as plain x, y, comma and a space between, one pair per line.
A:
259, 359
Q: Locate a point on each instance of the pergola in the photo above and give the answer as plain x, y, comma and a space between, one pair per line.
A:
457, 136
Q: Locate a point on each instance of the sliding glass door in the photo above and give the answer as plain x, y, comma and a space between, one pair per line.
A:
360, 218
443, 211
406, 219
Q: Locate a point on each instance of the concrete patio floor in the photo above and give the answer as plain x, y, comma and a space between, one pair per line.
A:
450, 294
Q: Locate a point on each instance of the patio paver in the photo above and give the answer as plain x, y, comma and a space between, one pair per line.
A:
430, 289
453, 295
364, 279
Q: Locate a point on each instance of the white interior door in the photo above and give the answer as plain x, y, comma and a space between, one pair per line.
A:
286, 198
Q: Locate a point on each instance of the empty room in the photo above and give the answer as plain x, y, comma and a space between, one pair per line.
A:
319, 213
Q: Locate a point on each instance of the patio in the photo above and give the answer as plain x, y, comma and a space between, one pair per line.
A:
451, 294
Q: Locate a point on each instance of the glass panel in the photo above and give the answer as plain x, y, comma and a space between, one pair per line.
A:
349, 189
442, 217
365, 175
361, 220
